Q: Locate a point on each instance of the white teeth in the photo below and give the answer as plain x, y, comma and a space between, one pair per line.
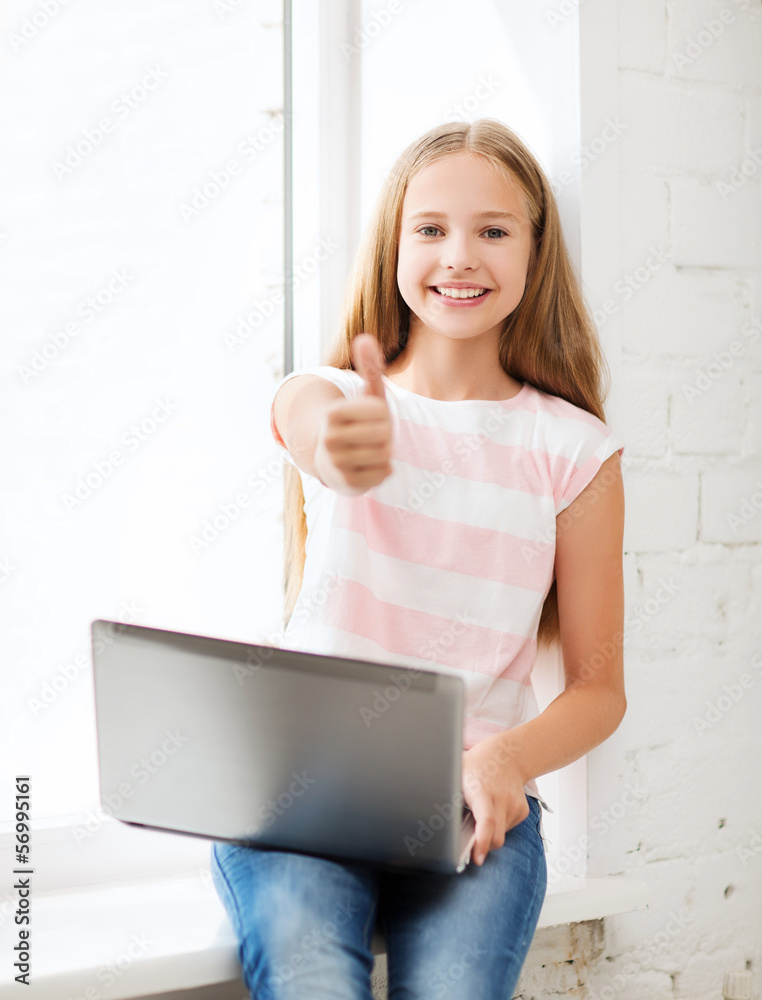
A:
461, 293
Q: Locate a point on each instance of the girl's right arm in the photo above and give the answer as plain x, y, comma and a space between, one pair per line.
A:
345, 443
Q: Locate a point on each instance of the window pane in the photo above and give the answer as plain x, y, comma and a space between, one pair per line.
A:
141, 218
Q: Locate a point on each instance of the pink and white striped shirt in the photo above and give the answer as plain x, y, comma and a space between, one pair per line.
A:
446, 564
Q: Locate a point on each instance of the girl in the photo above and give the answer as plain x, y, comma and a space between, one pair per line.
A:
461, 500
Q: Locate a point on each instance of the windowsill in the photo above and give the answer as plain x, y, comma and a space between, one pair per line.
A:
174, 934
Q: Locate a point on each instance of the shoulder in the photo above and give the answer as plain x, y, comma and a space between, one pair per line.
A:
345, 379
575, 443
564, 416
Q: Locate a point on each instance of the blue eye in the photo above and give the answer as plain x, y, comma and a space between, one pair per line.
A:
495, 229
423, 229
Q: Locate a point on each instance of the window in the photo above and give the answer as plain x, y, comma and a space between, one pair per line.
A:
144, 337
148, 322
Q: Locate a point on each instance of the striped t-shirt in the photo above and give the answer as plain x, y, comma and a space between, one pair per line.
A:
446, 564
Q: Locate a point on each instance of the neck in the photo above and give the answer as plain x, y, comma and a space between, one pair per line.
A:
449, 369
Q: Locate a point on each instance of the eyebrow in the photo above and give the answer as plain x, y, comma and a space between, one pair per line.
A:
495, 214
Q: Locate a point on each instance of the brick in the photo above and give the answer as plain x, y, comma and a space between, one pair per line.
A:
683, 313
691, 787
642, 35
648, 718
662, 510
676, 127
715, 231
644, 216
558, 957
723, 708
716, 875
702, 976
707, 411
622, 980
731, 504
635, 939
630, 283
690, 599
715, 40
644, 391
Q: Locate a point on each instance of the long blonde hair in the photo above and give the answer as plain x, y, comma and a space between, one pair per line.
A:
549, 340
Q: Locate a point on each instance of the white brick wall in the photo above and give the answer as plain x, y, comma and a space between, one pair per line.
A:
690, 76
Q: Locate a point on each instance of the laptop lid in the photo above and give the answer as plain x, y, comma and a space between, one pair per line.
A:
280, 748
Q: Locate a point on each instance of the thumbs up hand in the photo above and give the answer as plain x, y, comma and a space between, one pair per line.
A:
354, 444
369, 362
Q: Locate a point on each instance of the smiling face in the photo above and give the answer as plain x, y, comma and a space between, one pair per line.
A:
464, 248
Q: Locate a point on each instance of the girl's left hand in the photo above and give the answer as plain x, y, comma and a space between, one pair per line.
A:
494, 792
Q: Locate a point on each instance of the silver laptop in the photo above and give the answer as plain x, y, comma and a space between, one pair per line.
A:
255, 744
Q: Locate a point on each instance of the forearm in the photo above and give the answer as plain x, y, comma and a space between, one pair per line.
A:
580, 718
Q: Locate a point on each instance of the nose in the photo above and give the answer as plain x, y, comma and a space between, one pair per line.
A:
459, 253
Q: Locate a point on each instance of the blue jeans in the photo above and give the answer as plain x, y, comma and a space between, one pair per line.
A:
305, 924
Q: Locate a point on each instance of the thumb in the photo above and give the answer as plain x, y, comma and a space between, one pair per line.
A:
369, 363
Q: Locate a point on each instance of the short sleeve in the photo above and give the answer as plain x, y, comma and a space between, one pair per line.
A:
597, 444
346, 379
